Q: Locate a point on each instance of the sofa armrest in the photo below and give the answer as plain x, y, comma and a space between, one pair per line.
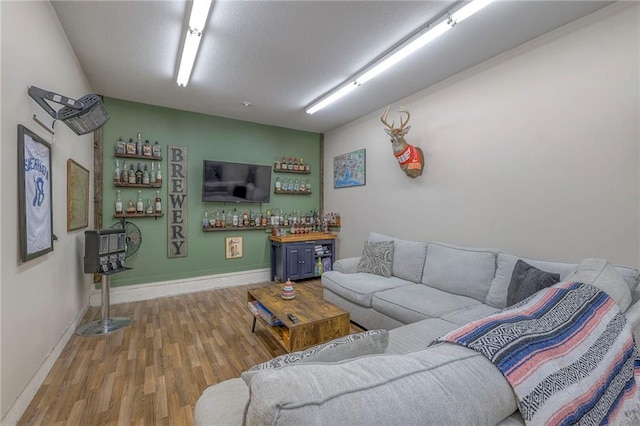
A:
633, 318
347, 266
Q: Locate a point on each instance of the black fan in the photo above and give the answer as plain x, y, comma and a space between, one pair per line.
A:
134, 236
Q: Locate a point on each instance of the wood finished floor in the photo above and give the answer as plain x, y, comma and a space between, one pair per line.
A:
154, 371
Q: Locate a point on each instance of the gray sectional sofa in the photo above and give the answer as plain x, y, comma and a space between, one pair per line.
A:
451, 284
433, 288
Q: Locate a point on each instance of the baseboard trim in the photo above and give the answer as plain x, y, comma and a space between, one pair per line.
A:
139, 292
29, 392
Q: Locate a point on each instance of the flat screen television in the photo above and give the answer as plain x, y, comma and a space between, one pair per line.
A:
235, 182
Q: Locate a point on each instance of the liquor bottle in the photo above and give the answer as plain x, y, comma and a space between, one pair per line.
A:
301, 167
296, 185
307, 167
152, 174
158, 208
308, 185
139, 174
283, 164
138, 145
205, 221
218, 219
159, 177
145, 175
252, 218
263, 220
277, 165
146, 148
131, 147
124, 173
303, 187
278, 184
234, 218
118, 202
223, 220
229, 219
157, 150
295, 165
290, 164
245, 218
132, 175
149, 208
118, 173
139, 203
121, 147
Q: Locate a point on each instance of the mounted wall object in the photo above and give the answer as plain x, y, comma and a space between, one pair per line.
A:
410, 158
83, 116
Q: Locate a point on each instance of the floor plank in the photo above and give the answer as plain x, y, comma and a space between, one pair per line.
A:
154, 371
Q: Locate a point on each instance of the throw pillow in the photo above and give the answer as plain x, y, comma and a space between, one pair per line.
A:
527, 280
377, 258
600, 273
352, 346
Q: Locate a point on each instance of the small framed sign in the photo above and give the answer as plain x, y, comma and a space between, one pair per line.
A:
233, 248
77, 196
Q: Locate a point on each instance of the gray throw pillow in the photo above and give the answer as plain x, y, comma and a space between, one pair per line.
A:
527, 280
377, 258
352, 346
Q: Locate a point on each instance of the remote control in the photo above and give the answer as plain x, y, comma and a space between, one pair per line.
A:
293, 318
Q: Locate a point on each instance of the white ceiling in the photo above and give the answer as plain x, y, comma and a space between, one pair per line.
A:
282, 55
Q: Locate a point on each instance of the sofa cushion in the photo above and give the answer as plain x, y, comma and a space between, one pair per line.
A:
470, 313
418, 335
359, 288
497, 296
354, 345
465, 271
600, 273
377, 258
423, 388
414, 303
527, 280
408, 257
222, 404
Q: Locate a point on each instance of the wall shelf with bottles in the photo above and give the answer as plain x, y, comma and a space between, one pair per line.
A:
138, 185
141, 157
138, 215
237, 228
280, 191
302, 172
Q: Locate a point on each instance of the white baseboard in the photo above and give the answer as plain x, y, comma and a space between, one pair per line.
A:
29, 392
138, 292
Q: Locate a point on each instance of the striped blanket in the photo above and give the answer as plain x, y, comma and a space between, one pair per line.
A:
568, 354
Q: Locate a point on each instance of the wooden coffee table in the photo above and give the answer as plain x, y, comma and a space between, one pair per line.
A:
318, 320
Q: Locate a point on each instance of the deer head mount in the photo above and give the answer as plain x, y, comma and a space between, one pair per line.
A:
410, 158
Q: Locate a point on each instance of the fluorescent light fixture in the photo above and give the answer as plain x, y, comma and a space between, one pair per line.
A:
404, 50
197, 22
333, 97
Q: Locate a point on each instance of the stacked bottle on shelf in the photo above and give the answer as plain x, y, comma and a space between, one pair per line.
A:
295, 222
138, 148
291, 164
293, 185
139, 207
140, 175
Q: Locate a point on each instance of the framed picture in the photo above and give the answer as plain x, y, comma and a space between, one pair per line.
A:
35, 213
350, 169
77, 196
233, 247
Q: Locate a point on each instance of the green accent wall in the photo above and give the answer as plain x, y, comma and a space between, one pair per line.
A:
211, 138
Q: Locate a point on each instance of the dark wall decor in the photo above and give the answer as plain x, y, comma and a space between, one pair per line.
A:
34, 195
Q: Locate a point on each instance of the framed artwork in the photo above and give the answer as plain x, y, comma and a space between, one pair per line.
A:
77, 196
233, 247
350, 169
35, 212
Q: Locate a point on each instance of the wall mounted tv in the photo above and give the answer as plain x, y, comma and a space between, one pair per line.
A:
235, 182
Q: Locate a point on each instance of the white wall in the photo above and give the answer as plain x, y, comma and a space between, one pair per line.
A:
42, 298
534, 152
